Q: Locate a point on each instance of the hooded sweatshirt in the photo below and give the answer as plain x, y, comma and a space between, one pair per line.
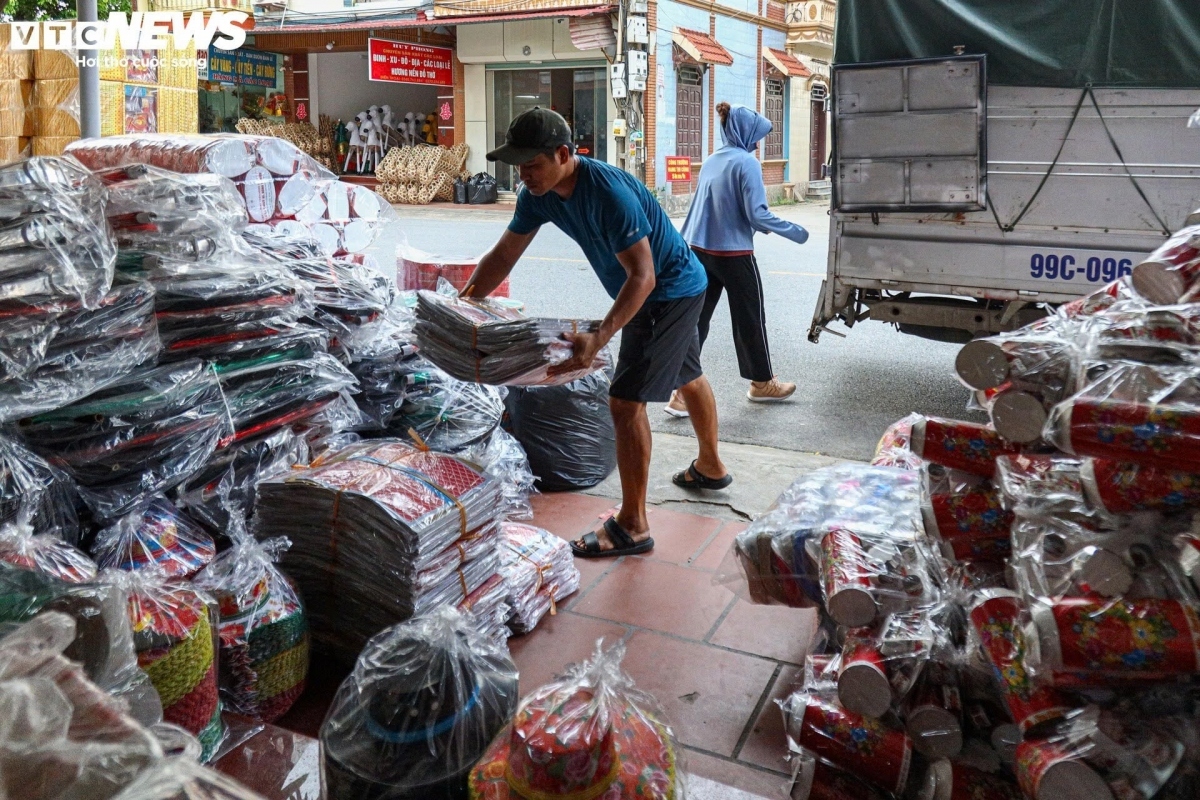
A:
731, 200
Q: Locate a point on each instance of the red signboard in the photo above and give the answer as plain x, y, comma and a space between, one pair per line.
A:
404, 62
679, 169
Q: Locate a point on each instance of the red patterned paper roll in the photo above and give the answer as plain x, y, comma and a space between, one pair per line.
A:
1120, 488
1172, 271
933, 718
997, 619
946, 780
1146, 639
863, 686
1160, 436
974, 512
960, 445
847, 580
1048, 770
860, 745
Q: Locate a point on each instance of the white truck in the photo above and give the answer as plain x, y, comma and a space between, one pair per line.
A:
962, 208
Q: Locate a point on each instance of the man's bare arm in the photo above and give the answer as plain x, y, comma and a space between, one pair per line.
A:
638, 262
496, 263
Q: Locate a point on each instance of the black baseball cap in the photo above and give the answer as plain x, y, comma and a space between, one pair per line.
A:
538, 130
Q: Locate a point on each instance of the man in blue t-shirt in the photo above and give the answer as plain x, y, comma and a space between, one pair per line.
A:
658, 289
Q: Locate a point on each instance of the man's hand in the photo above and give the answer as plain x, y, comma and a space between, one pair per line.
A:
585, 348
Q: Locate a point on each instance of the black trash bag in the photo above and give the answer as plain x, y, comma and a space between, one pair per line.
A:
481, 189
460, 191
567, 431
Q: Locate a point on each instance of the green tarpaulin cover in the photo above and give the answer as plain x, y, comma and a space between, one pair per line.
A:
1034, 42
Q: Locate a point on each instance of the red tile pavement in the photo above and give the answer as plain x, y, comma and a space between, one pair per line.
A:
732, 773
714, 553
678, 537
763, 745
709, 695
558, 641
659, 596
776, 632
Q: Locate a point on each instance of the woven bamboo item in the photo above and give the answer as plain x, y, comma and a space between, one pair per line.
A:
419, 175
315, 143
55, 65
178, 110
14, 64
56, 107
112, 108
50, 145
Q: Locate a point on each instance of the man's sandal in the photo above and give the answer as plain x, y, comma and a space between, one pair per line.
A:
692, 478
623, 543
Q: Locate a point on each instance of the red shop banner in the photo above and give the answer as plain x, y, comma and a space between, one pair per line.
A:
404, 62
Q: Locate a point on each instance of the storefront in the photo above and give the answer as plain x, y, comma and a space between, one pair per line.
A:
241, 83
511, 67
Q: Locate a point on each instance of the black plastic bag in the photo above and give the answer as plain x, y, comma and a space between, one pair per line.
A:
567, 431
460, 191
481, 189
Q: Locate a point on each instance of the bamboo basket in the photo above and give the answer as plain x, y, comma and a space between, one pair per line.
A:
13, 148
56, 107
54, 65
12, 109
178, 110
51, 145
15, 65
112, 108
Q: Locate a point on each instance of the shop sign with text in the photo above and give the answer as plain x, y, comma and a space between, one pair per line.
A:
679, 169
404, 62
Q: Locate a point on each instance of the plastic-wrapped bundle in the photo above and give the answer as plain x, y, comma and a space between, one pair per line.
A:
965, 514
61, 736
183, 779
392, 510
505, 347
156, 533
175, 634
946, 780
54, 242
539, 571
264, 632
1172, 272
895, 446
230, 477
267, 396
503, 459
416, 269
1119, 488
567, 431
425, 699
1132, 332
487, 605
589, 733
1106, 755
27, 480
1135, 413
230, 156
869, 748
102, 637
44, 552
88, 350
448, 414
788, 557
817, 779
347, 294
145, 434
964, 446
881, 665
1019, 376
170, 215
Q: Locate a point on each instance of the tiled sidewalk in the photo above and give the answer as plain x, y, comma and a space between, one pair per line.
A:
715, 663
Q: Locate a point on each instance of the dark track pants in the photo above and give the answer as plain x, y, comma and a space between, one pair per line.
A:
739, 274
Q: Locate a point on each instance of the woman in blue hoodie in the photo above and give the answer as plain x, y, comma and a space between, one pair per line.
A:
730, 205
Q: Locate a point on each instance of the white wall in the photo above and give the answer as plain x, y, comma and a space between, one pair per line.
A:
475, 95
342, 89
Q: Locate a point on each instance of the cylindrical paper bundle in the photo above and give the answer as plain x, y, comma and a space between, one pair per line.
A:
257, 188
846, 577
1121, 488
1172, 271
960, 445
860, 745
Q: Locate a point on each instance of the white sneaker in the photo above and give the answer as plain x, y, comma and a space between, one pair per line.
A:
772, 391
676, 407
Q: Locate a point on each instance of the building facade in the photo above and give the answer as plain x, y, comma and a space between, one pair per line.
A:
810, 41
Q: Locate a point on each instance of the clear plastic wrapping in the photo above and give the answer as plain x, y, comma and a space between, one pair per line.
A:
61, 736
28, 481
448, 415
590, 732
54, 241
425, 699
895, 446
506, 347
1100, 754
966, 515
44, 553
263, 629
87, 349
155, 533
103, 637
144, 434
869, 748
504, 460
850, 533
364, 522
1133, 332
880, 665
183, 779
965, 446
567, 431
175, 635
539, 572
347, 294
1172, 272
156, 212
1134, 413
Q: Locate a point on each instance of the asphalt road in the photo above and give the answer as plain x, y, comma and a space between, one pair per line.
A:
850, 389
